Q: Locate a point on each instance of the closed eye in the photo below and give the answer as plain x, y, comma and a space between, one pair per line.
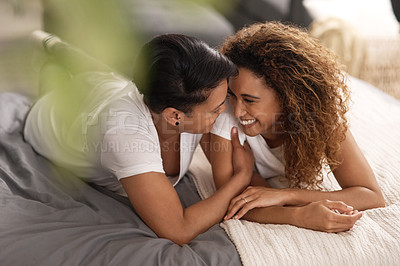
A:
230, 93
216, 111
248, 101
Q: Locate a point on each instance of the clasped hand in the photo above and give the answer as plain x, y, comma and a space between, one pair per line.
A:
256, 197
323, 215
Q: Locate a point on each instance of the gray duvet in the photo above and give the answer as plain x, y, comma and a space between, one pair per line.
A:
48, 216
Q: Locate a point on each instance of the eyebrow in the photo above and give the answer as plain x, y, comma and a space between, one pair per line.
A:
250, 96
244, 95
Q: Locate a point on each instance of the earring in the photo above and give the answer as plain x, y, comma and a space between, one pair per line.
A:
177, 123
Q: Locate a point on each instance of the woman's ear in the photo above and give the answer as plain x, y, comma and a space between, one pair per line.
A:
172, 116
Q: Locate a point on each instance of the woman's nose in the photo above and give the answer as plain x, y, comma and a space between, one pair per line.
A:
239, 109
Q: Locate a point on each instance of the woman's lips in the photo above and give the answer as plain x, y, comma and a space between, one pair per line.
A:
246, 123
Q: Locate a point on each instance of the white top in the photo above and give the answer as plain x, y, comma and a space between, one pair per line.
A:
269, 162
113, 136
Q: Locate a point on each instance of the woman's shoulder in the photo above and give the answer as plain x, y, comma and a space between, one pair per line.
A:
224, 123
113, 96
115, 107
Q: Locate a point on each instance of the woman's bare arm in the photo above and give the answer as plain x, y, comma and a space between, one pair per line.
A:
219, 152
158, 204
359, 186
264, 198
325, 215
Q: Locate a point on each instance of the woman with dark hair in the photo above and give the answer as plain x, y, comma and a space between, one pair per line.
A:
139, 141
290, 99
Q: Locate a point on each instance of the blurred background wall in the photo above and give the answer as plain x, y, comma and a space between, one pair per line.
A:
363, 33
17, 21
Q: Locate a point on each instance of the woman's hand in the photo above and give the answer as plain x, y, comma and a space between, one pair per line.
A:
242, 156
256, 197
327, 216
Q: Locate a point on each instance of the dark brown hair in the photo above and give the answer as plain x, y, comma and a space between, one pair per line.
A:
179, 71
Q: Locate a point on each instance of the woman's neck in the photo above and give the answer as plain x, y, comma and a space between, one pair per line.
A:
273, 140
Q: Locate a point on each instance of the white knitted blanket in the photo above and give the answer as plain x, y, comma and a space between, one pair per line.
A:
375, 238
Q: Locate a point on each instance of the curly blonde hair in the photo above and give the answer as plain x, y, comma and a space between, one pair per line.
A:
312, 90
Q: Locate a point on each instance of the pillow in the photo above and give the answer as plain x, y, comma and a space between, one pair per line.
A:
371, 17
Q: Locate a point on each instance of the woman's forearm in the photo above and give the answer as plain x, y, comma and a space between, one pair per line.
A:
200, 216
325, 215
359, 198
273, 215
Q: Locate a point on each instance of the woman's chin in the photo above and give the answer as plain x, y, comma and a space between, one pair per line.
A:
250, 131
204, 130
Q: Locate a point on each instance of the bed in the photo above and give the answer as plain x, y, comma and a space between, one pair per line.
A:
48, 216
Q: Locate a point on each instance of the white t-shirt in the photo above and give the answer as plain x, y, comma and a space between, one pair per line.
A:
113, 136
269, 162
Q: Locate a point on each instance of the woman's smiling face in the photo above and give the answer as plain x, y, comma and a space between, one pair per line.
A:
255, 104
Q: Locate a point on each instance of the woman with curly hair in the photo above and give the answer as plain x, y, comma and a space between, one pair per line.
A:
290, 99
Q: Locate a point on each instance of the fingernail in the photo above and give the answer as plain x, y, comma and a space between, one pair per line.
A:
225, 217
234, 130
349, 207
236, 217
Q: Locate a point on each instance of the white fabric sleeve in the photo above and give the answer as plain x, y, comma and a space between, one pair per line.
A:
224, 123
131, 149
